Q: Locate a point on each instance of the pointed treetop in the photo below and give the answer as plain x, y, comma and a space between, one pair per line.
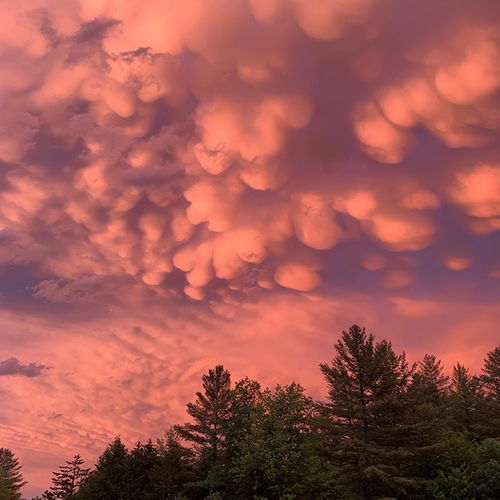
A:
491, 373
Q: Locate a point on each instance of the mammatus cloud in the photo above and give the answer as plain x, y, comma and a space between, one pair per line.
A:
12, 366
208, 146
174, 172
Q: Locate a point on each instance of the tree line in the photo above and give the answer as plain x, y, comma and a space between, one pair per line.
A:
387, 430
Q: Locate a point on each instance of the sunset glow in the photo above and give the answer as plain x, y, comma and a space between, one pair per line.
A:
191, 182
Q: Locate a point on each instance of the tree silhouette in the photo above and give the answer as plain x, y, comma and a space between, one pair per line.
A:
367, 383
11, 479
491, 373
176, 469
210, 412
67, 481
466, 400
364, 379
429, 378
110, 480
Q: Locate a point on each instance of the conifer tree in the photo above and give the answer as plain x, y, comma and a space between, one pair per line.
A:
11, 478
367, 385
6, 492
143, 461
491, 374
364, 380
425, 427
490, 380
210, 412
466, 401
110, 480
175, 474
67, 481
430, 380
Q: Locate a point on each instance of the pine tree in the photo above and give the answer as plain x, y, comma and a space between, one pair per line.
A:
491, 374
6, 492
67, 481
367, 404
11, 479
490, 380
110, 479
430, 380
425, 427
466, 401
143, 461
361, 377
46, 495
210, 412
175, 474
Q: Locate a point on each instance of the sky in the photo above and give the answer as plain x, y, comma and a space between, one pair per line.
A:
192, 182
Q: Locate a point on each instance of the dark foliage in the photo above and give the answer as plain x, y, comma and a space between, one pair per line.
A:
67, 481
11, 479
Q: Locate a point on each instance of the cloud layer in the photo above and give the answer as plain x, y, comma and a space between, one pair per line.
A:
172, 172
222, 144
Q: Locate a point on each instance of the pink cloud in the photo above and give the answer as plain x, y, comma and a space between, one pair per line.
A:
236, 181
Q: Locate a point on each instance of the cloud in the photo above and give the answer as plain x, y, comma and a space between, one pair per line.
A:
170, 145
188, 182
12, 366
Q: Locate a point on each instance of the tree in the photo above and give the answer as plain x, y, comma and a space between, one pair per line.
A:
364, 379
476, 478
6, 492
244, 411
367, 403
387, 431
491, 374
143, 461
278, 457
210, 413
490, 380
11, 479
175, 474
466, 401
429, 380
110, 480
424, 427
67, 481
